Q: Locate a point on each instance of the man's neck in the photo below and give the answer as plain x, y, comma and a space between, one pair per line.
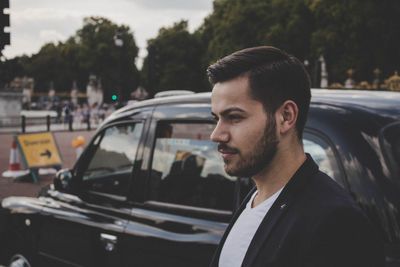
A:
278, 173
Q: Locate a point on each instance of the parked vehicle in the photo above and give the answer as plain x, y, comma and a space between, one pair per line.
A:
150, 188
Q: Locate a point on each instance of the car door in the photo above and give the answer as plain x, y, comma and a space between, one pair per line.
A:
189, 198
85, 228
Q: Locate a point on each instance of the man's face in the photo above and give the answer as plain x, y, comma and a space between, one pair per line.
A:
246, 135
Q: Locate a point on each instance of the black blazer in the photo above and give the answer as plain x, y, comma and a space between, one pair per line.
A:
313, 222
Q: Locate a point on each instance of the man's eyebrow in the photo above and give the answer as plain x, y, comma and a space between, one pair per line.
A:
228, 110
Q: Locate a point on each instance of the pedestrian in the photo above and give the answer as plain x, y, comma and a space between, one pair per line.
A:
295, 215
86, 115
67, 113
95, 113
59, 111
79, 114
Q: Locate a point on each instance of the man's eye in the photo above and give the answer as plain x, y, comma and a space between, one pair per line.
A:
235, 117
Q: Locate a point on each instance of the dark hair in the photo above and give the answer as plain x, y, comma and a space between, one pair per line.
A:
274, 77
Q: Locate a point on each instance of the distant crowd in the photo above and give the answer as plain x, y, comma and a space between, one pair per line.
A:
68, 112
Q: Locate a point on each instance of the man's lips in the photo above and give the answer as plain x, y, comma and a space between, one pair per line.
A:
226, 151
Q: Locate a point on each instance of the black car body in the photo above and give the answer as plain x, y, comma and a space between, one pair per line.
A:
150, 189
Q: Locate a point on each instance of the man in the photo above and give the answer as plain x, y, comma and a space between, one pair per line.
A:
296, 215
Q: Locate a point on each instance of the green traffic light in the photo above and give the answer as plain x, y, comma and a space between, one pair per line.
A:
114, 97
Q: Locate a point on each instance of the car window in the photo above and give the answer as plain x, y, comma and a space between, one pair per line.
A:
187, 168
111, 166
322, 153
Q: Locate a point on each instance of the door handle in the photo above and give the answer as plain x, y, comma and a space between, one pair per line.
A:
109, 241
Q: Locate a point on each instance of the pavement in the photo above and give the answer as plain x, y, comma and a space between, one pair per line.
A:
26, 187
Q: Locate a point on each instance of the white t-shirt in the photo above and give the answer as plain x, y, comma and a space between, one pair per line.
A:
242, 232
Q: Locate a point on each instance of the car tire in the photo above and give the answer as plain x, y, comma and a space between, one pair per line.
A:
19, 260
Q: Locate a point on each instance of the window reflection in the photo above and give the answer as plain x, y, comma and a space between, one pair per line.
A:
117, 150
187, 168
390, 138
323, 155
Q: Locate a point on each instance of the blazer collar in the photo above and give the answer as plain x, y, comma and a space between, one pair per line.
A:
280, 206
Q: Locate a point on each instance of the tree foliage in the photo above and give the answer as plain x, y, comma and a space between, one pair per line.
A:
14, 67
99, 55
359, 34
90, 51
174, 61
237, 24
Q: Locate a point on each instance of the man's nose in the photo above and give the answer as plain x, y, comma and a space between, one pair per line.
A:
219, 135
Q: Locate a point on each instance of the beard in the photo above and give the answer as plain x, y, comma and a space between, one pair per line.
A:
261, 156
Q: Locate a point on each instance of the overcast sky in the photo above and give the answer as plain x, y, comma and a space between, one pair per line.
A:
36, 22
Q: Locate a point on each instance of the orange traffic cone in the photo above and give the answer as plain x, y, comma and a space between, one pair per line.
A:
78, 143
14, 169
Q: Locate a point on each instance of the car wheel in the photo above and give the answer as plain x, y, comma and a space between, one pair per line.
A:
18, 260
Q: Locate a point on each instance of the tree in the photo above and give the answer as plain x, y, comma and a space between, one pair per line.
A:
174, 61
90, 51
237, 24
12, 68
47, 66
359, 34
99, 55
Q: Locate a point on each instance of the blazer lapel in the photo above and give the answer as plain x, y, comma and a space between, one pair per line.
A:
281, 206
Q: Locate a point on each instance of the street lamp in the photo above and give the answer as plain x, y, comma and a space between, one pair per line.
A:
119, 43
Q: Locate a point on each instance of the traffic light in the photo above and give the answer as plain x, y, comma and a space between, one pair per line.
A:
4, 22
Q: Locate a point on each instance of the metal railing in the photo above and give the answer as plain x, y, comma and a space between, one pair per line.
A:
25, 124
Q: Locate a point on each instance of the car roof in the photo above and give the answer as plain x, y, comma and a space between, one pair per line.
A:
382, 102
168, 100
386, 103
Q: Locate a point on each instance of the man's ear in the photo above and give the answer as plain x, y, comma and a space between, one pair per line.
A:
287, 113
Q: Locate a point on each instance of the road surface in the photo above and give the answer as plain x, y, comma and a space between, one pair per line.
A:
11, 187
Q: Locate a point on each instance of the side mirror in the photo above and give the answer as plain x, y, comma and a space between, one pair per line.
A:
62, 181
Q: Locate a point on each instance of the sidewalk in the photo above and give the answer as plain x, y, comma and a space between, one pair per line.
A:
9, 187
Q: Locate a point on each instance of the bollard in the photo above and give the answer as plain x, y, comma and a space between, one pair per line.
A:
23, 123
70, 121
88, 124
78, 143
48, 122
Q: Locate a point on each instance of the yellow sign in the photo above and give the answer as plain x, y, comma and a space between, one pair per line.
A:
39, 149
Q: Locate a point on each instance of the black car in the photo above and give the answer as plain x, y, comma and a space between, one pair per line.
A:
150, 188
